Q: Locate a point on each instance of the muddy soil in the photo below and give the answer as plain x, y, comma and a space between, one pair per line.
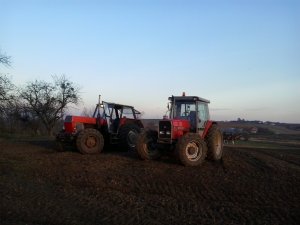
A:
39, 185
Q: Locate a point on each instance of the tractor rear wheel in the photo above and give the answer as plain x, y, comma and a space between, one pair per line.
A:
90, 141
146, 146
128, 135
191, 150
214, 140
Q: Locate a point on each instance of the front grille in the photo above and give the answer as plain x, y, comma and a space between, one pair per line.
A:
165, 129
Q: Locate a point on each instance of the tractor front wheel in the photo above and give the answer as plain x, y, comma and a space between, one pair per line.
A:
146, 146
90, 141
191, 150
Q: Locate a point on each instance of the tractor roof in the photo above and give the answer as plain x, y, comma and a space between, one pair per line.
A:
117, 105
120, 106
188, 99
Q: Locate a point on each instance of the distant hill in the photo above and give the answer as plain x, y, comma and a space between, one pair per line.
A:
150, 123
275, 128
263, 128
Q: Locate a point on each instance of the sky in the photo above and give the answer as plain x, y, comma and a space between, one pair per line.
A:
242, 55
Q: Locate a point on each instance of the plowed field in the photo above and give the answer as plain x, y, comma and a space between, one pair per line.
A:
251, 185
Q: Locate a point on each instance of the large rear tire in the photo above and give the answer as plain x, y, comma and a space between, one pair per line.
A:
191, 149
90, 141
146, 146
214, 140
128, 135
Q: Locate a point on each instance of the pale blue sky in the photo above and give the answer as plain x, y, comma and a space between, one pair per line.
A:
243, 55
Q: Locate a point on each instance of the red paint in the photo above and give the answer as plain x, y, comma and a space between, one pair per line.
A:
180, 127
70, 125
208, 124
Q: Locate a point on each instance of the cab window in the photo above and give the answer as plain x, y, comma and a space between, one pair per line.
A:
183, 109
203, 111
128, 113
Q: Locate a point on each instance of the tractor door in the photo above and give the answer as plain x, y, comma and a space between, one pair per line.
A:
203, 116
109, 115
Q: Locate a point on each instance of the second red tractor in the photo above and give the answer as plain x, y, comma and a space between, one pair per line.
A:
188, 131
111, 124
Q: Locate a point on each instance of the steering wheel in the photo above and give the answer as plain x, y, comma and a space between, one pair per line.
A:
186, 113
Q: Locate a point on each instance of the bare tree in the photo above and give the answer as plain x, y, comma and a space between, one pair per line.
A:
48, 101
7, 101
88, 112
7, 92
6, 86
4, 59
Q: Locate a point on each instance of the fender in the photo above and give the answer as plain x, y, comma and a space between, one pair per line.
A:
208, 125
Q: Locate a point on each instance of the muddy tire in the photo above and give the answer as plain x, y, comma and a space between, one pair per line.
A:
146, 145
90, 141
128, 135
214, 140
191, 150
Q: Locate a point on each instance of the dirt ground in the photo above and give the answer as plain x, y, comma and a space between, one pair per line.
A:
251, 185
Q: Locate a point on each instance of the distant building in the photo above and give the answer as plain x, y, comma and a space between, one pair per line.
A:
253, 130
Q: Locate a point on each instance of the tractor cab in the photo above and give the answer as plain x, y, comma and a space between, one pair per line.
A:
116, 115
191, 108
187, 114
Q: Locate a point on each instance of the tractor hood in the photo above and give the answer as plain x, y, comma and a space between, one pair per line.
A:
173, 129
71, 122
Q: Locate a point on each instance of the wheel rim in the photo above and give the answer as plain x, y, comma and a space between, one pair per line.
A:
91, 141
193, 151
132, 138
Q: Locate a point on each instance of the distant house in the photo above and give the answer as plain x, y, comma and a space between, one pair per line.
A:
270, 123
253, 130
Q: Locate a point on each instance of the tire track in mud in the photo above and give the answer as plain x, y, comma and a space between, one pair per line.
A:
244, 156
61, 207
283, 157
272, 185
254, 198
195, 203
244, 189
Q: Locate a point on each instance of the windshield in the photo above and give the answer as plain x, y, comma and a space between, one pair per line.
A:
182, 110
128, 112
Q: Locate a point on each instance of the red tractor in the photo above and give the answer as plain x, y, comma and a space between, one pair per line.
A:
188, 130
111, 124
